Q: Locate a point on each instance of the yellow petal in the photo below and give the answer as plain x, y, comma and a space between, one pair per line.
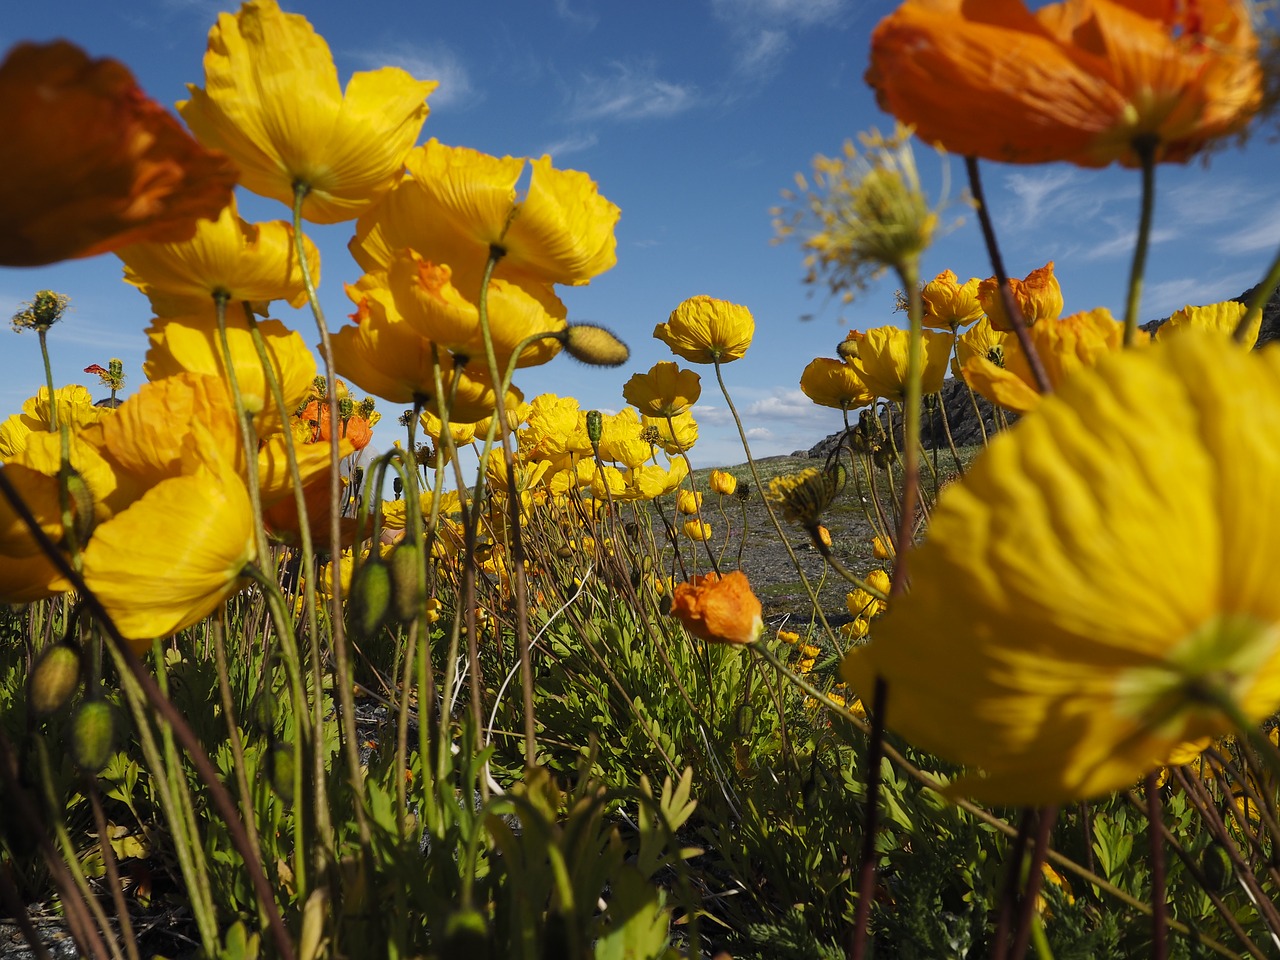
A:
172, 557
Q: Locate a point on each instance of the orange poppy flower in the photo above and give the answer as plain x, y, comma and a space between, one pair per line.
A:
91, 163
355, 428
719, 609
1080, 81
1038, 296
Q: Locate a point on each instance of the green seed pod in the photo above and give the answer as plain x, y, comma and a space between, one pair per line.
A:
565, 552
407, 596
370, 597
664, 605
280, 771
595, 426
54, 679
262, 711
92, 736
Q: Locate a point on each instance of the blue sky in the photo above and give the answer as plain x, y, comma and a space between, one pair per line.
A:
692, 116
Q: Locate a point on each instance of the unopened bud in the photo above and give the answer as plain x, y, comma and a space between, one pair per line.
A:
407, 595
595, 426
92, 737
595, 345
370, 596
280, 772
54, 679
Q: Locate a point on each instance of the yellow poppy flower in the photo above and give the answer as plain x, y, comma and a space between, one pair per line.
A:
665, 391
677, 441
172, 556
834, 383
75, 407
949, 304
433, 426
706, 330
429, 296
723, 484
272, 102
980, 340
688, 502
561, 231
191, 343
227, 256
1220, 318
149, 434
91, 163
556, 426
882, 361
1064, 346
1098, 568
1081, 81
1038, 296
620, 439
381, 353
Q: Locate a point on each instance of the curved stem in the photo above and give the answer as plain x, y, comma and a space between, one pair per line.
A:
1145, 147
342, 669
1006, 294
1261, 296
513, 507
911, 429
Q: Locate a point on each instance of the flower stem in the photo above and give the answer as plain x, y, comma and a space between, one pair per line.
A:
342, 668
907, 273
1145, 147
1261, 296
1002, 277
867, 868
513, 506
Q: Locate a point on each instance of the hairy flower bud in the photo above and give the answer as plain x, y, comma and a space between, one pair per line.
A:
54, 679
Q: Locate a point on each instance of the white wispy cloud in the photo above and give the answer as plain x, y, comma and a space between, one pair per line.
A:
632, 91
797, 12
574, 143
1039, 193
1261, 232
583, 19
760, 52
430, 62
1202, 203
761, 32
1123, 240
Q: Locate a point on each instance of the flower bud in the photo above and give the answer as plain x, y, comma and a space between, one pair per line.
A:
370, 596
262, 711
54, 679
595, 345
280, 771
595, 426
407, 595
92, 737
